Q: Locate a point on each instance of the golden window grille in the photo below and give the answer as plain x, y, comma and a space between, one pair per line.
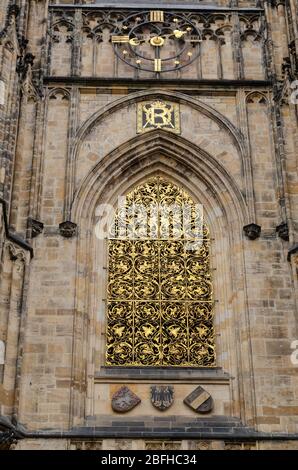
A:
160, 298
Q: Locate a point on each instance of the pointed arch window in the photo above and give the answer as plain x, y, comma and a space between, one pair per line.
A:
160, 296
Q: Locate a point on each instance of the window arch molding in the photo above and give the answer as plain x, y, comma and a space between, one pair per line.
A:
233, 133
208, 183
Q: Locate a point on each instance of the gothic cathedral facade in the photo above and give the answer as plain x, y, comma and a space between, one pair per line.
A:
148, 224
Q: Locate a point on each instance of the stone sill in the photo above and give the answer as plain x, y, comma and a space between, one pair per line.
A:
178, 374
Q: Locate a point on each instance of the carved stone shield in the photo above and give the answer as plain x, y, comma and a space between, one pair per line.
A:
199, 401
124, 400
162, 397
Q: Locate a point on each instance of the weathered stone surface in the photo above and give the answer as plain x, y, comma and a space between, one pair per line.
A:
69, 142
124, 400
199, 400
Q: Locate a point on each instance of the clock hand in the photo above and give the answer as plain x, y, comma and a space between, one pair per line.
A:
127, 40
157, 41
179, 34
193, 40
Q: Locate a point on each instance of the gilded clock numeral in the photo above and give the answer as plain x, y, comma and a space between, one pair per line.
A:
157, 65
157, 16
120, 39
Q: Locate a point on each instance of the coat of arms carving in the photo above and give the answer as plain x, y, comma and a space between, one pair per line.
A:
199, 400
124, 400
158, 115
162, 397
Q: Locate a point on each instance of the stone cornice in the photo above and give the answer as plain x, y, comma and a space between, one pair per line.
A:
125, 82
215, 428
150, 6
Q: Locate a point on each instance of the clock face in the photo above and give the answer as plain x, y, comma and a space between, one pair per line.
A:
157, 41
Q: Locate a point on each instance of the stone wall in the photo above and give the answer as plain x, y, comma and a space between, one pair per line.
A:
232, 46
68, 143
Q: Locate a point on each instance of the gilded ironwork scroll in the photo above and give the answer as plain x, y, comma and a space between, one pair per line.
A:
160, 299
158, 115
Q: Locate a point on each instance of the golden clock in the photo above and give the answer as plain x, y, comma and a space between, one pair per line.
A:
157, 41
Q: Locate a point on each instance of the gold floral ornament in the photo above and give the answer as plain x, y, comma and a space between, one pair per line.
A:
160, 296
